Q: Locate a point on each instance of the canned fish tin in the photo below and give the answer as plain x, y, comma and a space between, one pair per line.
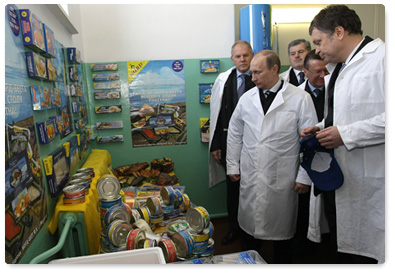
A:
211, 229
116, 212
74, 191
119, 233
184, 243
107, 203
108, 186
169, 250
90, 171
135, 216
167, 194
210, 249
85, 176
184, 207
145, 214
142, 224
149, 243
80, 181
74, 200
134, 237
178, 200
155, 219
154, 205
198, 218
201, 241
176, 226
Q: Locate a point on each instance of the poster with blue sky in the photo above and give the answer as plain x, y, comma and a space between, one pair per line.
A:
157, 102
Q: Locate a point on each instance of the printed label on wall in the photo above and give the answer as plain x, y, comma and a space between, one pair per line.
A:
157, 102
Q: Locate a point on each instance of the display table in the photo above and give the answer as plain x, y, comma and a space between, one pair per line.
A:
99, 160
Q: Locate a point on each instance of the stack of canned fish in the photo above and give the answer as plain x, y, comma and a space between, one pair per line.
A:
78, 186
166, 221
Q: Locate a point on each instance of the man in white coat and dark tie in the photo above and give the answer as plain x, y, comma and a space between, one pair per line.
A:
263, 156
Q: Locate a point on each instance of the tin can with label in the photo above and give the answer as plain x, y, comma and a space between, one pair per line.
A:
211, 229
85, 176
134, 237
201, 241
168, 208
119, 233
74, 200
155, 219
198, 218
184, 243
108, 186
135, 216
80, 181
184, 207
169, 250
107, 203
74, 191
147, 243
154, 205
145, 214
175, 226
142, 224
210, 249
168, 195
178, 200
90, 171
116, 212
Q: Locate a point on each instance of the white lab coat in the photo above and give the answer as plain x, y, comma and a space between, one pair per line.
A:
265, 148
285, 75
216, 170
359, 114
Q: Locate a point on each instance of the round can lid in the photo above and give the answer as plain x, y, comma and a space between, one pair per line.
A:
120, 233
108, 187
74, 189
196, 220
116, 212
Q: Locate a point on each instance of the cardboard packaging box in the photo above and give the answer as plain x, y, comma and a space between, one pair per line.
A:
32, 31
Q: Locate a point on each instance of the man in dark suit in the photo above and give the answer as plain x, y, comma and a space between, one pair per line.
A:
228, 88
297, 51
315, 71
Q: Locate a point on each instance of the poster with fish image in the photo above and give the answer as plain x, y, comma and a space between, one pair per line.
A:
157, 102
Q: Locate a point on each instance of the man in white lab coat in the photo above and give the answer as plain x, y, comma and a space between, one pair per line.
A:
263, 154
354, 126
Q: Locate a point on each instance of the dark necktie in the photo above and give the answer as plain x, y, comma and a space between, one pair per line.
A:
301, 77
241, 89
316, 92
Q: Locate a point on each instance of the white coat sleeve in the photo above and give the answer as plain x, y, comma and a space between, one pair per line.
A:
234, 141
363, 133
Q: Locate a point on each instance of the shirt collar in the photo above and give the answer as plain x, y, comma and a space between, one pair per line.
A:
312, 87
238, 73
275, 88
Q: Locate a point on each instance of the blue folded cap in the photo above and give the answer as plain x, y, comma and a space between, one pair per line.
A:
320, 164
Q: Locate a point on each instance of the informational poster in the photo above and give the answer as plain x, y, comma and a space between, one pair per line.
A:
25, 199
157, 103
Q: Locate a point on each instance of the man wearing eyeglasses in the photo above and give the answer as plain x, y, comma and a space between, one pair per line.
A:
315, 72
297, 51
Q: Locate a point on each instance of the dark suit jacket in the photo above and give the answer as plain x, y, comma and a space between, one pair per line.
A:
318, 101
293, 78
228, 105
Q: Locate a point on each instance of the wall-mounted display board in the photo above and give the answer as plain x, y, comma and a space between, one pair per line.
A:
25, 200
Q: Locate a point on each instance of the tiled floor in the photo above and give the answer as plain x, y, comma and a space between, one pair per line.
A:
317, 256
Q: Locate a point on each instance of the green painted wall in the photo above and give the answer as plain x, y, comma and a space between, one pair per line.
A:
191, 159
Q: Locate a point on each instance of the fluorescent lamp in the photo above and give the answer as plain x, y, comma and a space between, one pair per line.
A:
294, 15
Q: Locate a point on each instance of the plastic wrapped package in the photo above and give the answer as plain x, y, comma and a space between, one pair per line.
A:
245, 257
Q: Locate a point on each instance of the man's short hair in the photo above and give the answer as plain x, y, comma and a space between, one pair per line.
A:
299, 41
271, 59
241, 42
311, 56
336, 15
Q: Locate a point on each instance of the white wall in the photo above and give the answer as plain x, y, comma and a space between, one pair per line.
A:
156, 32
